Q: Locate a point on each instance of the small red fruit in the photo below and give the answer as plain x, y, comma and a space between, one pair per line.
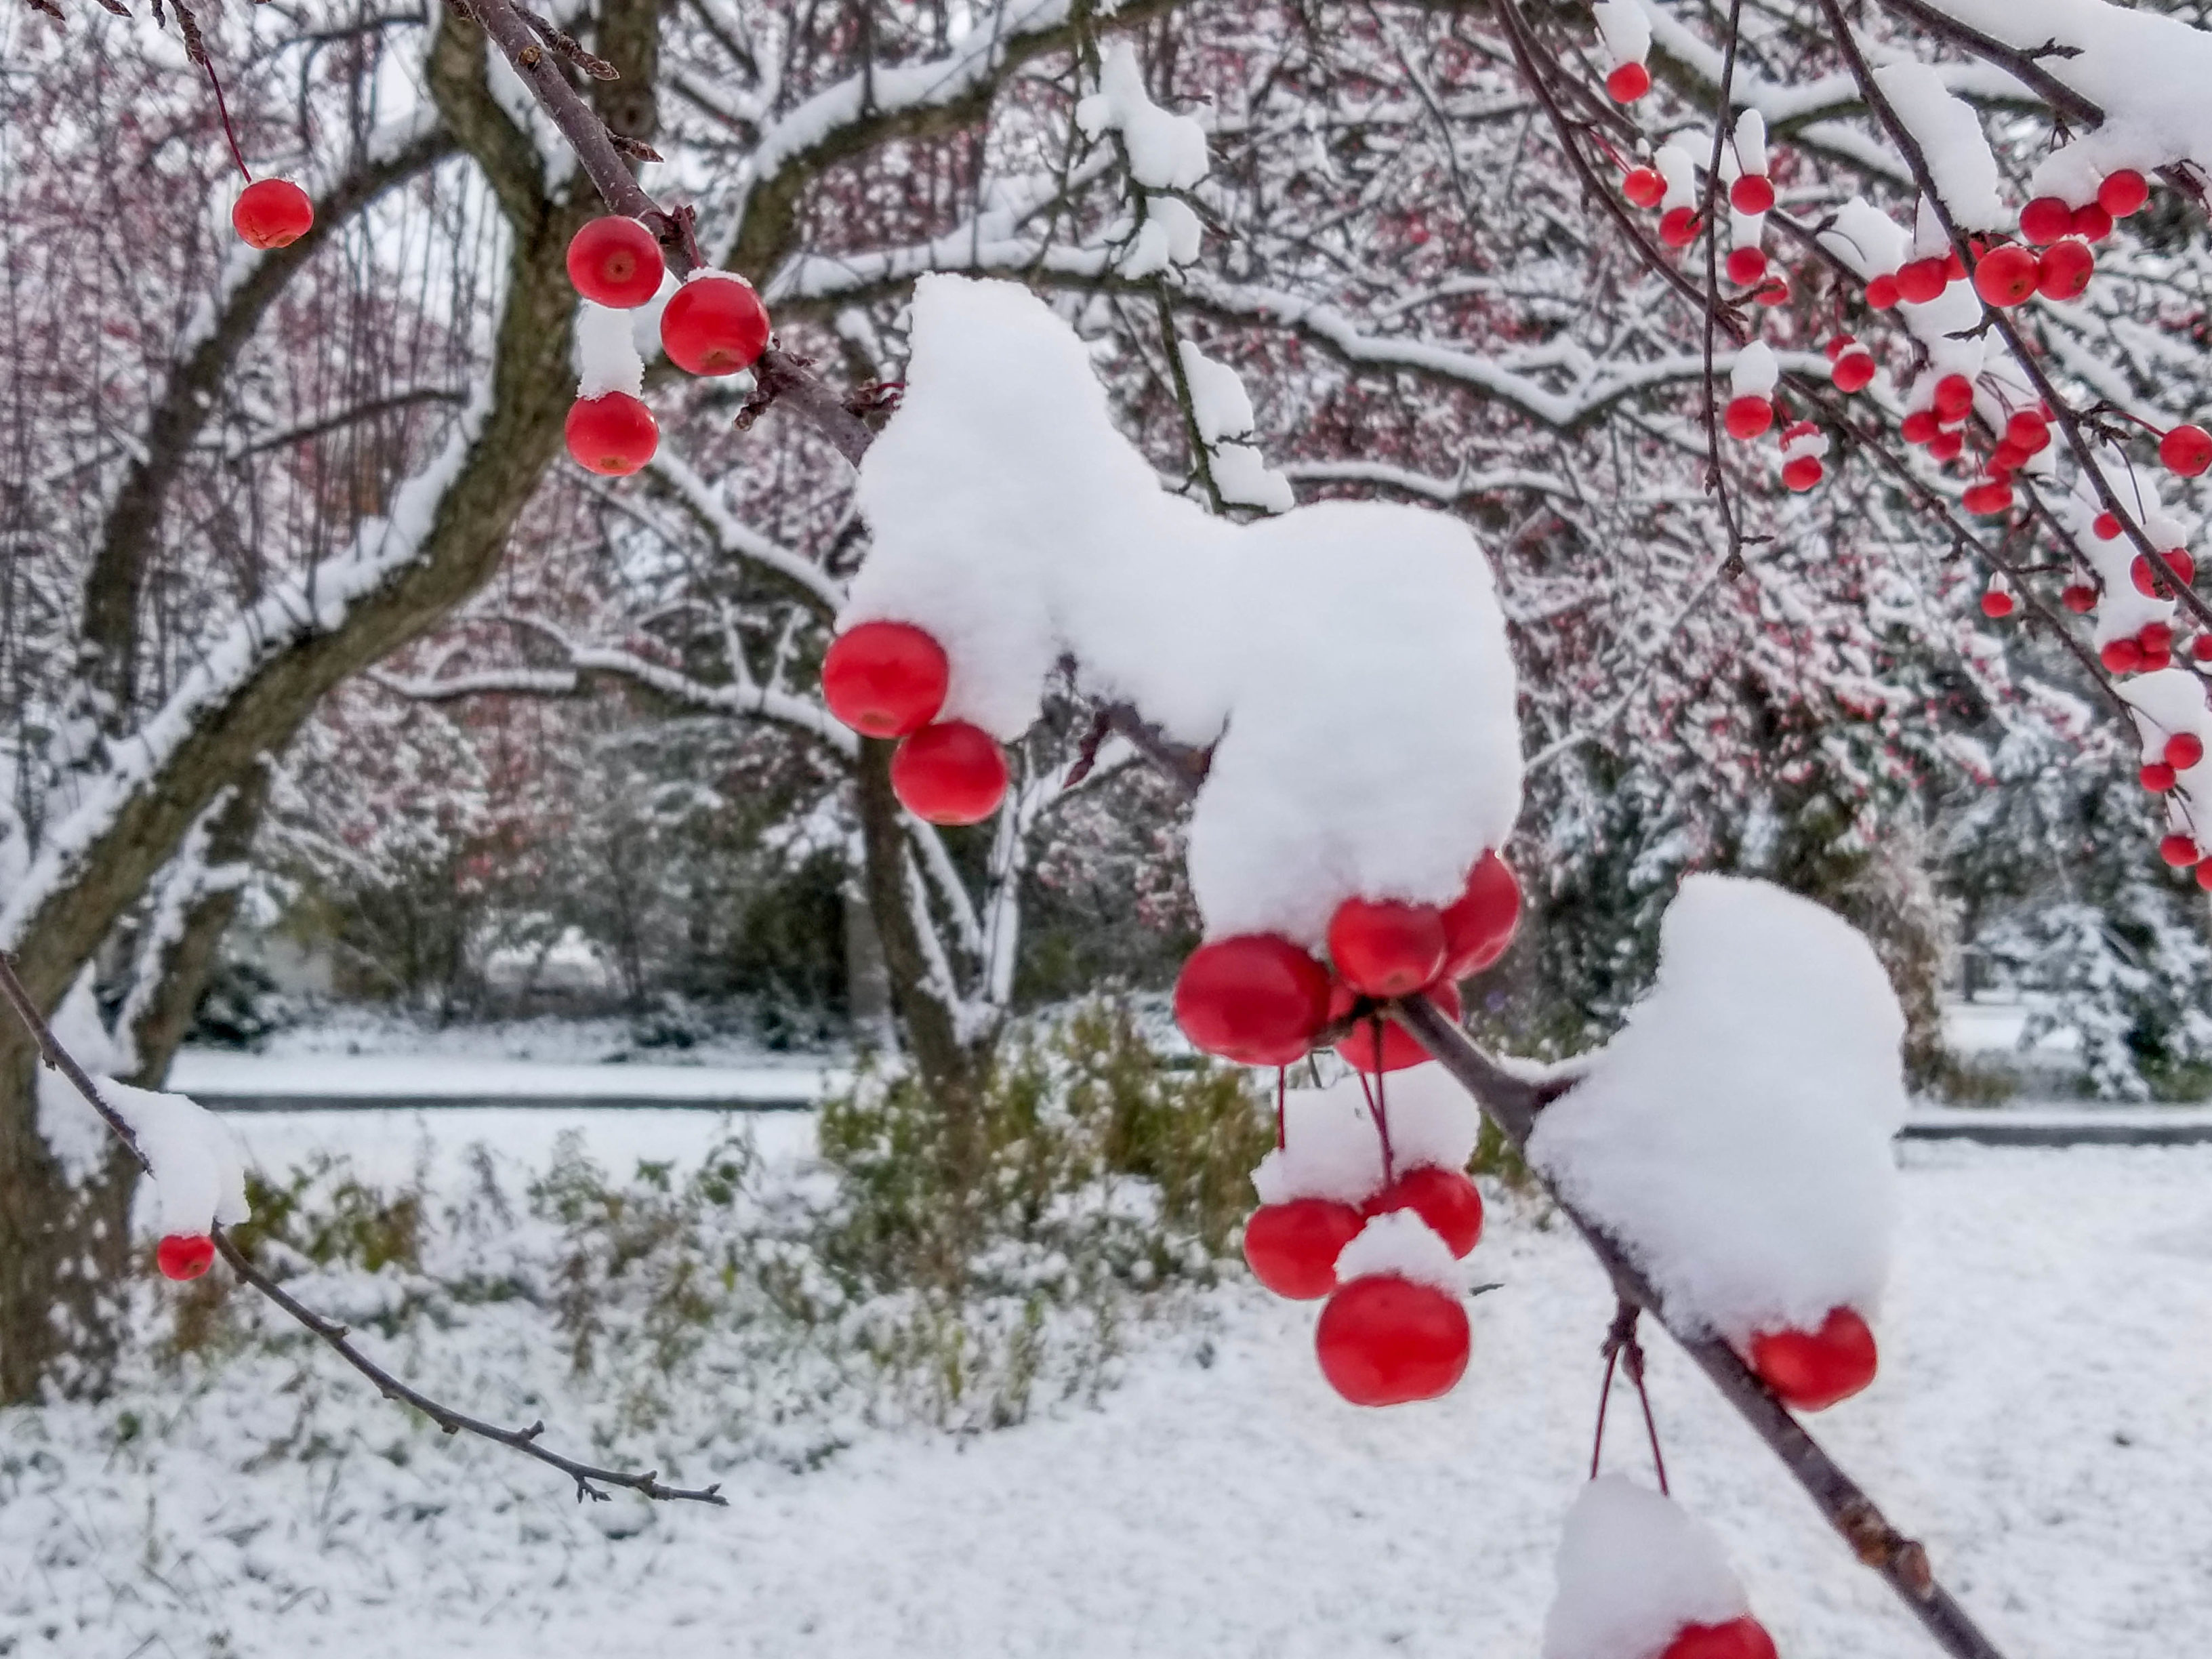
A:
2006, 458
2064, 270
183, 1256
1774, 291
2092, 223
1813, 1369
1997, 603
949, 773
1921, 280
886, 679
1383, 1341
2186, 450
1400, 1048
1253, 997
1747, 417
2155, 636
1644, 186
272, 213
1479, 924
2156, 776
2006, 276
614, 435
2079, 598
1802, 473
1752, 193
2179, 851
2149, 583
2028, 432
2200, 648
1385, 948
1882, 292
2106, 527
1628, 83
2122, 657
1293, 1248
1446, 1200
1678, 227
715, 324
2205, 875
1739, 1638
614, 261
1746, 266
1853, 370
1954, 399
2122, 192
1989, 498
2184, 749
1918, 427
2044, 220
1945, 445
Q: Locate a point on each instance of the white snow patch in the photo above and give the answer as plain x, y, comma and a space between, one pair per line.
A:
1166, 151
1330, 1147
1625, 28
1950, 136
606, 354
1399, 1243
1634, 1568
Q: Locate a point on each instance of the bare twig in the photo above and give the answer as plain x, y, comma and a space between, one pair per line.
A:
590, 1480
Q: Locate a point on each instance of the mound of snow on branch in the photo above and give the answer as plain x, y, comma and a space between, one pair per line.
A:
1331, 1148
1348, 660
1735, 1136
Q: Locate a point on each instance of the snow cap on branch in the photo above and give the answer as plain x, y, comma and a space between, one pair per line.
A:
1634, 1569
1754, 372
1751, 142
1866, 239
1625, 29
1166, 151
1330, 1147
1013, 522
1950, 136
1735, 1136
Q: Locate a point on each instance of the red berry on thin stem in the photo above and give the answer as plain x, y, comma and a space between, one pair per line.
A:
950, 773
1921, 280
2106, 527
1293, 1248
2064, 270
2156, 776
886, 679
1954, 399
1644, 186
183, 1256
2122, 657
1383, 1341
1479, 924
1253, 997
614, 433
1400, 1048
1945, 445
2184, 749
272, 213
2028, 431
2179, 851
2122, 192
2092, 223
1853, 371
1678, 227
1385, 948
1747, 417
2186, 450
715, 324
1446, 1200
1739, 1638
1628, 83
1801, 472
1746, 266
2044, 220
2006, 276
1882, 292
1813, 1369
1752, 193
2079, 598
614, 261
1997, 603
1918, 427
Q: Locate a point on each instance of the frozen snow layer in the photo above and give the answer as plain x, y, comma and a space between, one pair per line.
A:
1735, 1136
1315, 649
1332, 1149
1166, 151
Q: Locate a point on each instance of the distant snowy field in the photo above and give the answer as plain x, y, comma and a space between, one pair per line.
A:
2039, 1422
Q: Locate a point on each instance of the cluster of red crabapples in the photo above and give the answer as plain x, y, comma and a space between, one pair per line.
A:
888, 679
713, 323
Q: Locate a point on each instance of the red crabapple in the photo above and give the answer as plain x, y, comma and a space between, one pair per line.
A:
1954, 399
1479, 924
1853, 371
1945, 444
1813, 1369
2184, 749
2179, 851
1752, 193
2122, 657
1739, 1639
1746, 266
2064, 270
949, 773
1446, 1200
2044, 220
1383, 1341
2106, 527
1293, 1248
1747, 417
614, 261
1253, 997
1997, 603
2092, 223
272, 213
2029, 432
2186, 450
613, 434
183, 1256
2079, 598
2150, 584
1988, 498
1882, 292
1385, 948
1400, 1048
1644, 186
886, 679
2122, 192
1802, 472
2006, 276
1678, 227
2156, 776
715, 324
1628, 83
1921, 280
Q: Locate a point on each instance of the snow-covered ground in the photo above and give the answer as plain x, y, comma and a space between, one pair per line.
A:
2038, 1422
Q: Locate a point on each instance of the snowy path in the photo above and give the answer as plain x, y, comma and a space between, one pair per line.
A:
2039, 1422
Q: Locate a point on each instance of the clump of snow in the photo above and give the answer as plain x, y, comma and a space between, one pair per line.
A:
2167, 703
1866, 239
1244, 478
1754, 372
73, 1132
1751, 142
1680, 169
1625, 30
1804, 438
1218, 399
1735, 1137
606, 353
1634, 1569
2122, 609
1013, 522
1331, 1148
1950, 136
1399, 1243
1166, 151
199, 1176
